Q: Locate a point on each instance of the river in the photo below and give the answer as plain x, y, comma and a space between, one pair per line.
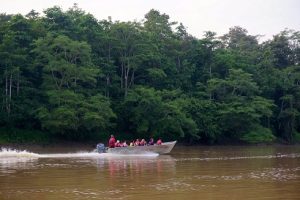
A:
217, 172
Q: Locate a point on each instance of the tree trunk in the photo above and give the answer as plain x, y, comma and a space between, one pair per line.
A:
109, 50
178, 62
10, 87
107, 85
53, 77
122, 74
18, 84
132, 79
126, 81
126, 75
6, 92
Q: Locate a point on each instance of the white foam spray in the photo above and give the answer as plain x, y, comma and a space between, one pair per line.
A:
13, 153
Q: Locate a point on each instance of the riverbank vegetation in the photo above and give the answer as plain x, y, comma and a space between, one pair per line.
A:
69, 75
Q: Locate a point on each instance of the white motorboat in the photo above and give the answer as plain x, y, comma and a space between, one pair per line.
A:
164, 148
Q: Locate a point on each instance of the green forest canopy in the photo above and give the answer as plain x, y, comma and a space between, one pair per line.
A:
70, 75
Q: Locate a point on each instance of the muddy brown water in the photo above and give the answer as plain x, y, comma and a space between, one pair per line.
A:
226, 172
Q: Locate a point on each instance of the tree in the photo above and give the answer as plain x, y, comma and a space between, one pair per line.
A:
206, 116
69, 81
281, 50
288, 115
69, 113
14, 50
240, 107
149, 113
129, 45
67, 63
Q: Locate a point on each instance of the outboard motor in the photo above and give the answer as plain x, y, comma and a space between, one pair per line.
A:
100, 148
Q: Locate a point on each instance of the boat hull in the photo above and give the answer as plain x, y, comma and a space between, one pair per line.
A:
164, 148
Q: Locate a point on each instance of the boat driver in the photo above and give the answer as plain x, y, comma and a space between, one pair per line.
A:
111, 142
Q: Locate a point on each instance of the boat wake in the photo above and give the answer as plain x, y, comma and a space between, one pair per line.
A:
278, 156
11, 159
13, 153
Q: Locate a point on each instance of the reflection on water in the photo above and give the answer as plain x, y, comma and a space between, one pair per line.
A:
198, 172
132, 167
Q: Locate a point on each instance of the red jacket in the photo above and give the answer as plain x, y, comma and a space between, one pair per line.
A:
111, 143
159, 142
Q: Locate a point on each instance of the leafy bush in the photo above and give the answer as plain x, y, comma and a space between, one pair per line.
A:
259, 135
23, 136
297, 137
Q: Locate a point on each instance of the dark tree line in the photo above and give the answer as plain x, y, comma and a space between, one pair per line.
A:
69, 74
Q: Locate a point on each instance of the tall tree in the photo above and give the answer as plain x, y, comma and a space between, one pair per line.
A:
156, 113
69, 82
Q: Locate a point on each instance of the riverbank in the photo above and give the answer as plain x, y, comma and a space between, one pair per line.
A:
13, 137
18, 138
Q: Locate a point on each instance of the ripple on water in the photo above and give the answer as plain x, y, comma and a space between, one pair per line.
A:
293, 155
226, 178
268, 174
276, 174
179, 185
171, 186
71, 193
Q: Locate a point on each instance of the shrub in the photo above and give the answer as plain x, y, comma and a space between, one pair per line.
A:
13, 135
297, 137
259, 135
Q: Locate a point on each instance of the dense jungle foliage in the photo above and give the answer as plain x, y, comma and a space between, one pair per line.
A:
67, 74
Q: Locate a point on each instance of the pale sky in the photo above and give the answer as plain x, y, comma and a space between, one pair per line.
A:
264, 17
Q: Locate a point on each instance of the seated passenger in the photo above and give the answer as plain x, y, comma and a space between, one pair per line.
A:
118, 144
159, 142
151, 141
131, 144
124, 144
111, 142
143, 142
137, 142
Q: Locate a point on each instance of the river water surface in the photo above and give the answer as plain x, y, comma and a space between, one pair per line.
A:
256, 172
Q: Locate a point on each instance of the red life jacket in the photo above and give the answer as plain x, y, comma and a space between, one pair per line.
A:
117, 144
111, 143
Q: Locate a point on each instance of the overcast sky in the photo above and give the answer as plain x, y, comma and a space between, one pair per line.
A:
264, 17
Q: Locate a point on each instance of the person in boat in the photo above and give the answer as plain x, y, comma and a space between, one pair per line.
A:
151, 141
112, 141
143, 142
124, 144
131, 144
137, 142
118, 144
159, 142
